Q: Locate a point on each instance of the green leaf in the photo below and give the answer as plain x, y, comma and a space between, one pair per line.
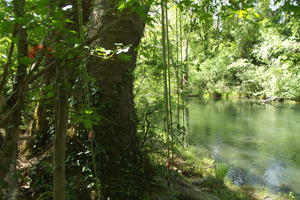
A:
88, 112
3, 184
25, 61
124, 57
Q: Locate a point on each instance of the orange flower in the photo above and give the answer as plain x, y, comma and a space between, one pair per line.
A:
34, 50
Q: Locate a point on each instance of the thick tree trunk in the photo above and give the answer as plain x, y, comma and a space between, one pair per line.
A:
118, 153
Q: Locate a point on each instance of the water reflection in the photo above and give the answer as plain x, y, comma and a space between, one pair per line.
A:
261, 143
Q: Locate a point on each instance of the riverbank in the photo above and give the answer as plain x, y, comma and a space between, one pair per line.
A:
196, 176
236, 96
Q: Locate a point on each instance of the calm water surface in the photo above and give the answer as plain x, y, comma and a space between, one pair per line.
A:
260, 143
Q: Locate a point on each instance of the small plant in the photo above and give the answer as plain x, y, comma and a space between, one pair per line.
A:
221, 170
292, 196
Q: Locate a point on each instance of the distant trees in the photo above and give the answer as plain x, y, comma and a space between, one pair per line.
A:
252, 51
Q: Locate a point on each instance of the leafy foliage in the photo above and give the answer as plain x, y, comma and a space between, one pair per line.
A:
245, 48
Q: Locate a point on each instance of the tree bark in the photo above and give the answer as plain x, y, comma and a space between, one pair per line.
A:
61, 127
8, 153
64, 74
122, 173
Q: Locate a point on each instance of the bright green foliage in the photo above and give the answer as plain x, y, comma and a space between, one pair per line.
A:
248, 49
221, 170
256, 55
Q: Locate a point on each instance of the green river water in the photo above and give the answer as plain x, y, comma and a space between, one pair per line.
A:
259, 143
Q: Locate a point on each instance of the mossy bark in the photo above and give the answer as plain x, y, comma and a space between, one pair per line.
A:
122, 170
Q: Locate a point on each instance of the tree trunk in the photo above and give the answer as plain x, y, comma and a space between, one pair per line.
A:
8, 153
61, 127
64, 74
118, 153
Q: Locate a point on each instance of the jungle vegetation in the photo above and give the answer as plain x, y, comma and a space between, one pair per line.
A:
91, 92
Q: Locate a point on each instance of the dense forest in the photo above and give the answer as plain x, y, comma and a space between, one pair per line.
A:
94, 94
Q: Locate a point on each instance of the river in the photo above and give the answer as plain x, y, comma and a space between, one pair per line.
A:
259, 143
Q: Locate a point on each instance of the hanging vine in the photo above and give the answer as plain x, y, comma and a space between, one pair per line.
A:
87, 101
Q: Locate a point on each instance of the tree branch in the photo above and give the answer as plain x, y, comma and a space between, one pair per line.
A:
23, 89
8, 63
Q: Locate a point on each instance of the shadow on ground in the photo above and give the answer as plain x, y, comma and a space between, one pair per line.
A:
197, 188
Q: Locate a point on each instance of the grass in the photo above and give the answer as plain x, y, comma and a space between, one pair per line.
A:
215, 181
